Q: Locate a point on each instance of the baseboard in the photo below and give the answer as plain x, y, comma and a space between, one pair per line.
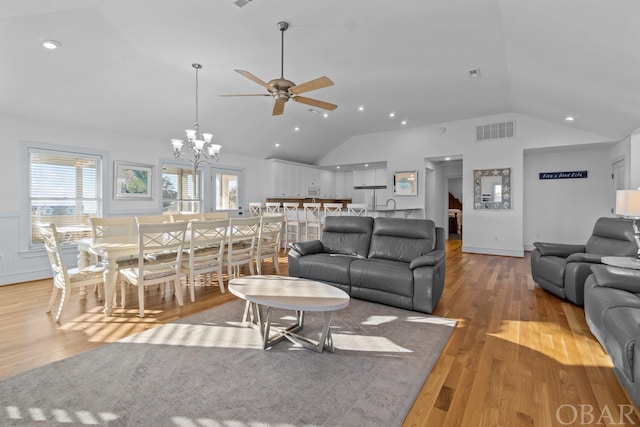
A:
24, 276
493, 251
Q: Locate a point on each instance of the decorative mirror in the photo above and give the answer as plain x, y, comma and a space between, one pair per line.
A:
492, 188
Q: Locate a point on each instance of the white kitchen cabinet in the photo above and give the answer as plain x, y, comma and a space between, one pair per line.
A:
369, 177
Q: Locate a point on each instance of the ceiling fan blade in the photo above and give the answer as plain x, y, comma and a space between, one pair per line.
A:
278, 107
249, 94
318, 83
255, 79
315, 103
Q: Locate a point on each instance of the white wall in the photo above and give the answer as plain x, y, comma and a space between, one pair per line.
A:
21, 264
495, 232
564, 210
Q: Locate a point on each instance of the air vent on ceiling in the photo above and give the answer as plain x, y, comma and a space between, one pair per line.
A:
241, 3
495, 131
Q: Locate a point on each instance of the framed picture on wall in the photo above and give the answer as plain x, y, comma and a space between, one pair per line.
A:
405, 183
132, 181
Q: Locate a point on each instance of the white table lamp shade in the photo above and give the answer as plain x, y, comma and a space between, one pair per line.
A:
628, 203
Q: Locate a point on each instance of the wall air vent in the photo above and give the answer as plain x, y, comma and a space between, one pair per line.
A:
495, 131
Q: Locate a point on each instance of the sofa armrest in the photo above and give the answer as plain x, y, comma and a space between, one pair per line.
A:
307, 248
426, 260
585, 257
558, 249
625, 279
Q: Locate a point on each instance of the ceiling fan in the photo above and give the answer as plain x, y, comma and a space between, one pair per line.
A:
283, 90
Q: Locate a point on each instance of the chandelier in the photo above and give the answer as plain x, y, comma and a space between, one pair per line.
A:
198, 148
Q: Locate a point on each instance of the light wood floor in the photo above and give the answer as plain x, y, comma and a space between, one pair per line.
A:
519, 356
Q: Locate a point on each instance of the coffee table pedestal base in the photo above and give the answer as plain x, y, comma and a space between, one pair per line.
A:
255, 317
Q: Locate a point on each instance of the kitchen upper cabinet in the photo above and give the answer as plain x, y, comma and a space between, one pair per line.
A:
369, 177
327, 184
284, 179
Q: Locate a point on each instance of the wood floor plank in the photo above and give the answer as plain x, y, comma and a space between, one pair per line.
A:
519, 356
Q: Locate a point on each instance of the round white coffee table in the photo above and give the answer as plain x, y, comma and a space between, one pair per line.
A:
288, 293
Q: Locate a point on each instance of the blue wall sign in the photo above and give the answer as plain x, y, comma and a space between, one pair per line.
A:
563, 175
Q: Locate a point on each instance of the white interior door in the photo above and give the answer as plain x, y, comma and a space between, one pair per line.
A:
227, 191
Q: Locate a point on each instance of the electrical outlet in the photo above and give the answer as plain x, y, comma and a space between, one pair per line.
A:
495, 238
1, 257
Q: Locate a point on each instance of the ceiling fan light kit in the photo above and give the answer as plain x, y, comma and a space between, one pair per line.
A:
199, 147
283, 90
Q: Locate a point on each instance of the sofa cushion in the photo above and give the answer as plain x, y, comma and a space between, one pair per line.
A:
402, 239
347, 235
613, 237
383, 275
620, 331
325, 268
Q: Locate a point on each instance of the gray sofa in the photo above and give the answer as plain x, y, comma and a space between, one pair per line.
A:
393, 261
612, 311
562, 269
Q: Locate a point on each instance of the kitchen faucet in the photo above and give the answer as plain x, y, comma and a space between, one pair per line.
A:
391, 200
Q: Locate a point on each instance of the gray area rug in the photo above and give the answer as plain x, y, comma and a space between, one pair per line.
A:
209, 370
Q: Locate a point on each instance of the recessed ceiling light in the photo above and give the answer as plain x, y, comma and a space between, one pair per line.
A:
51, 44
361, 108
392, 114
296, 128
325, 115
569, 118
447, 158
366, 165
404, 122
337, 167
277, 144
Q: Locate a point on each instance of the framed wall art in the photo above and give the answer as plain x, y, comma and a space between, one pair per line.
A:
405, 183
132, 181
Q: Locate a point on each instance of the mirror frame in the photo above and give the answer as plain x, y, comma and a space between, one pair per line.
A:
505, 173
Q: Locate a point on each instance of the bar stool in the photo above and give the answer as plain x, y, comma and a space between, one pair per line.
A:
291, 223
255, 209
357, 209
272, 207
312, 225
331, 209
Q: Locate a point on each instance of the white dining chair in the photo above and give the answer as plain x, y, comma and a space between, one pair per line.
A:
241, 240
65, 279
167, 239
206, 250
180, 217
152, 219
268, 241
312, 226
356, 209
215, 215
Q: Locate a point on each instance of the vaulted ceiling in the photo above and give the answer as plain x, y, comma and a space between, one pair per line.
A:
125, 66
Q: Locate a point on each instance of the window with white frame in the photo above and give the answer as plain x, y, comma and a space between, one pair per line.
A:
64, 189
180, 189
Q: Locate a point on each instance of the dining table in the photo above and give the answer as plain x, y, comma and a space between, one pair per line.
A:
112, 250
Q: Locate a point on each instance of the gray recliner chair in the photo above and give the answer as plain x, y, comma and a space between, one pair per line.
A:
562, 268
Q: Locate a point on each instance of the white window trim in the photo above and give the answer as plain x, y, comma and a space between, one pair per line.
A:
25, 208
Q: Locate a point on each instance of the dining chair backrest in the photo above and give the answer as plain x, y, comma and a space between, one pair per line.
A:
104, 228
332, 209
64, 278
161, 238
179, 217
268, 242
152, 219
215, 215
357, 209
255, 208
272, 207
241, 240
206, 250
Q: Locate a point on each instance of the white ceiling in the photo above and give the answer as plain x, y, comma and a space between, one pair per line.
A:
125, 66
